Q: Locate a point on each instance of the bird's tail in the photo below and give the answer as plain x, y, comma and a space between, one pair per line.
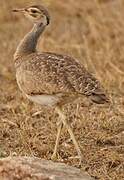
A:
99, 98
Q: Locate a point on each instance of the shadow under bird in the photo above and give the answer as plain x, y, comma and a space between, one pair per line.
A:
52, 79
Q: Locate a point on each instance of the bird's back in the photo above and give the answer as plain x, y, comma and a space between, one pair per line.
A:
50, 73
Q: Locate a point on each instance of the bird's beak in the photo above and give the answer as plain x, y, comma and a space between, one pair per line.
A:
18, 10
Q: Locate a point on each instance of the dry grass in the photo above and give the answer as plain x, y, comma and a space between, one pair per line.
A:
92, 31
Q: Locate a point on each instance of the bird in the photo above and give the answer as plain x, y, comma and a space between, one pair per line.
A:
51, 79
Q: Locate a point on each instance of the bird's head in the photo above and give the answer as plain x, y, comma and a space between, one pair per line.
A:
36, 13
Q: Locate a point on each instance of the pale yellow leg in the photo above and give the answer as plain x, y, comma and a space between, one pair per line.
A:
63, 119
54, 155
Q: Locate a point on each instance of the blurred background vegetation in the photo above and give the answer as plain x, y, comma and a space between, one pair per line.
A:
93, 32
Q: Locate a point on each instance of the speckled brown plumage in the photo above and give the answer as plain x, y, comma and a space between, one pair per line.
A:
50, 73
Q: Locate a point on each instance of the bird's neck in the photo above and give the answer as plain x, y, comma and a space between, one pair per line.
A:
29, 42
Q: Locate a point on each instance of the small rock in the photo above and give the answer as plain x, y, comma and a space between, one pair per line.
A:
32, 168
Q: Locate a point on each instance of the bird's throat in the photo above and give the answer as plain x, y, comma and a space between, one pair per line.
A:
29, 43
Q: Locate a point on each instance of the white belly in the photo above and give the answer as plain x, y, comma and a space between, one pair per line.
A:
47, 100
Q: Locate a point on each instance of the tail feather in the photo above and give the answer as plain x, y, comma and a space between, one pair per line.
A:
99, 98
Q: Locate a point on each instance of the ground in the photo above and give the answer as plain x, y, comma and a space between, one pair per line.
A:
93, 32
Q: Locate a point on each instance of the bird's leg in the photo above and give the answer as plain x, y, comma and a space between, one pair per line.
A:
63, 120
60, 125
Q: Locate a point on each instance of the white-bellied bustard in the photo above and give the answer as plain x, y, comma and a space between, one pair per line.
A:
52, 79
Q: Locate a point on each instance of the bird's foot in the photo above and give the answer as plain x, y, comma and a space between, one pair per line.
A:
80, 162
77, 157
54, 156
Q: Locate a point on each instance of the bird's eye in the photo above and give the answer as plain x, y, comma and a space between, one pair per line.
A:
33, 11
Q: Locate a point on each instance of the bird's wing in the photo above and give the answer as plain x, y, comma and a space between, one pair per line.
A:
43, 74
50, 73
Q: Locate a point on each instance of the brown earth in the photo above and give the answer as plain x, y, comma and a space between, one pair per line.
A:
93, 32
